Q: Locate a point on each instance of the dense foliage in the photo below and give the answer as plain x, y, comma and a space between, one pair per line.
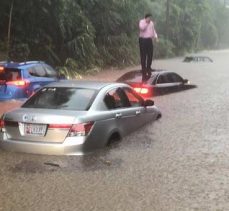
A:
95, 33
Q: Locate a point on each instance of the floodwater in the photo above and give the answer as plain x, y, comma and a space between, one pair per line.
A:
180, 162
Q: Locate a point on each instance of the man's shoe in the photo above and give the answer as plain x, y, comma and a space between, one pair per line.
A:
148, 76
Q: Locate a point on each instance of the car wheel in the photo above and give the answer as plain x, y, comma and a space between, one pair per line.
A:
158, 116
115, 137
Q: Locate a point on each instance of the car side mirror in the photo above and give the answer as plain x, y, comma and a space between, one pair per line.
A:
148, 103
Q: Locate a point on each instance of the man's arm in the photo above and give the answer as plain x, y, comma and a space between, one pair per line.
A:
143, 25
154, 32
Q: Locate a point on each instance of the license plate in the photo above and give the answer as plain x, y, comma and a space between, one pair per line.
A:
32, 129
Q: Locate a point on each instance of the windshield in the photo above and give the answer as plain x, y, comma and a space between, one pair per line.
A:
62, 98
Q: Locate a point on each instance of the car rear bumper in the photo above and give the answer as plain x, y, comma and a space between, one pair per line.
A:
71, 146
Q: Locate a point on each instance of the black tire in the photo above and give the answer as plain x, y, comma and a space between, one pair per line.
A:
115, 137
158, 116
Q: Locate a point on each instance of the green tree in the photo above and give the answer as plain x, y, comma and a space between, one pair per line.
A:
100, 33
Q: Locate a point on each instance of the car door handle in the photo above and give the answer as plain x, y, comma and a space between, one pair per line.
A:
138, 112
118, 115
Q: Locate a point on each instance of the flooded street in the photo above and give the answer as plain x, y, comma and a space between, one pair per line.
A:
180, 162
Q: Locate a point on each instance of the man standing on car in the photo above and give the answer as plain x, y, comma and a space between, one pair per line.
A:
146, 36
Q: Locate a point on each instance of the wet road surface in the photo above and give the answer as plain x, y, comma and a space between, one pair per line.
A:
180, 162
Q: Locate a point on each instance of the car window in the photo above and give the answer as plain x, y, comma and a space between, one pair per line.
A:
10, 74
116, 98
50, 71
170, 78
134, 99
37, 71
198, 59
62, 98
174, 78
162, 79
177, 78
207, 59
188, 59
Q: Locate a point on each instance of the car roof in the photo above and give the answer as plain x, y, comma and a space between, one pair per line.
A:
10, 64
81, 84
197, 58
154, 72
138, 78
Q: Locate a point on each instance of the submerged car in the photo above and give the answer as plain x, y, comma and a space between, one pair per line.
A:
20, 80
75, 117
160, 82
197, 59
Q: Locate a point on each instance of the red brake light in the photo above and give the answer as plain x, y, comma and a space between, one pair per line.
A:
2, 125
137, 90
144, 91
60, 126
1, 68
81, 129
18, 83
141, 90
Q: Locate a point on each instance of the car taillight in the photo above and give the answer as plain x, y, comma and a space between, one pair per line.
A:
141, 90
60, 126
2, 125
81, 129
18, 83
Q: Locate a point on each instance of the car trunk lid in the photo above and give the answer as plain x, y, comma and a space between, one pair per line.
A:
40, 125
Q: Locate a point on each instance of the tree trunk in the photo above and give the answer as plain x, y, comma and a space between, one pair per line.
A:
9, 29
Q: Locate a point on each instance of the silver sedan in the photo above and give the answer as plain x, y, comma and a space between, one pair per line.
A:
75, 117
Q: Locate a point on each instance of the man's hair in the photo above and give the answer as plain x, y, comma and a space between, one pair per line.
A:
148, 15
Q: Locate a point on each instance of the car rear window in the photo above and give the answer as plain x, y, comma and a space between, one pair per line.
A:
134, 77
62, 98
131, 77
10, 74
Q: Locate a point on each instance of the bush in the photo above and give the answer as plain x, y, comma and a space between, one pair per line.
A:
119, 50
19, 52
70, 69
164, 48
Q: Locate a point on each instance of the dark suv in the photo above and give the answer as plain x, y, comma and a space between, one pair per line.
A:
20, 80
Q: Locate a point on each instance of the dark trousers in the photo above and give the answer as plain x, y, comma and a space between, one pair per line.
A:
146, 54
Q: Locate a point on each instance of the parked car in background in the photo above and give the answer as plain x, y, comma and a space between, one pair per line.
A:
21, 80
161, 82
197, 59
74, 117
